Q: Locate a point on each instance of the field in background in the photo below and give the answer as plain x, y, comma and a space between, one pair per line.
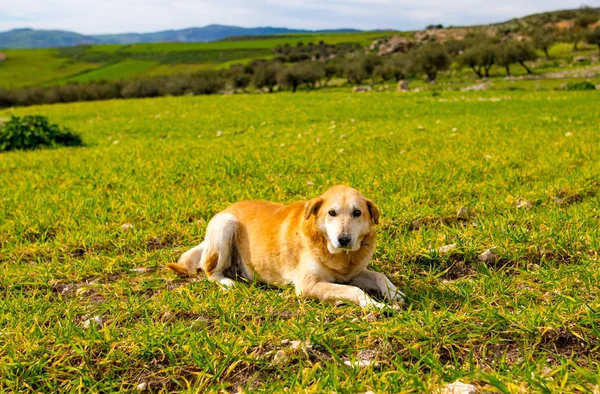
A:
527, 322
39, 67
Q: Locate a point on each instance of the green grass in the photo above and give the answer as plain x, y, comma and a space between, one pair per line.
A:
526, 323
30, 67
122, 70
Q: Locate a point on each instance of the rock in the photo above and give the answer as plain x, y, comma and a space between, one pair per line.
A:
463, 213
416, 225
97, 320
127, 226
459, 387
402, 86
361, 363
142, 386
488, 256
446, 249
395, 44
360, 89
475, 88
521, 203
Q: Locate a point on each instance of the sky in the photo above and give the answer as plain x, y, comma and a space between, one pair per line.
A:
120, 16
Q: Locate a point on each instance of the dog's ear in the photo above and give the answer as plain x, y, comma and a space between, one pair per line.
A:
373, 211
312, 207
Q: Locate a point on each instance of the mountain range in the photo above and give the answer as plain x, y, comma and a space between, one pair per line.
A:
31, 38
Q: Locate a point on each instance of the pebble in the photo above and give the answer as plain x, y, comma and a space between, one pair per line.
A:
459, 387
463, 213
488, 256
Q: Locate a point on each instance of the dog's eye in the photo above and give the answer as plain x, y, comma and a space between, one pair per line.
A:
356, 213
332, 213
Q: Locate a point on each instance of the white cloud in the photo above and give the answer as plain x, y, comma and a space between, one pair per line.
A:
115, 16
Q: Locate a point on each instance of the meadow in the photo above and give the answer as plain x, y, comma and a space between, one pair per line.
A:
87, 306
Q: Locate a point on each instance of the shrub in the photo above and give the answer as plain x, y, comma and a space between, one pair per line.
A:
585, 85
32, 132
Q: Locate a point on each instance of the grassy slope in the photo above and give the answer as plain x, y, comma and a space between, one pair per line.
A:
31, 67
528, 322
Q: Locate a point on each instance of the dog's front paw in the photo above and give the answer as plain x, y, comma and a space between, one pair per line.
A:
364, 301
393, 294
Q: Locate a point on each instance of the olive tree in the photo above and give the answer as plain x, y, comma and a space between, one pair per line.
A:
593, 37
511, 52
431, 58
543, 39
480, 57
396, 67
265, 75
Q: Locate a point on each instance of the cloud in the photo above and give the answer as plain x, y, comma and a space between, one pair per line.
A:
117, 16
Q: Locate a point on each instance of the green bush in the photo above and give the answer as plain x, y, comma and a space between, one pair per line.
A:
34, 131
585, 85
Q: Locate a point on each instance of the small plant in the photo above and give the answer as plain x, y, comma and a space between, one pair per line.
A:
585, 85
34, 131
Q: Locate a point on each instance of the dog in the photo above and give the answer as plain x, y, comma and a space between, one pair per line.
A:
321, 246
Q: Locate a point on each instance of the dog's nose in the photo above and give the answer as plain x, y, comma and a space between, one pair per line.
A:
344, 240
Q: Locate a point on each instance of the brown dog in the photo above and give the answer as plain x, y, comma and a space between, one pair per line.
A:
321, 246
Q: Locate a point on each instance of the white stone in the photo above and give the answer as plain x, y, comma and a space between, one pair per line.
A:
459, 387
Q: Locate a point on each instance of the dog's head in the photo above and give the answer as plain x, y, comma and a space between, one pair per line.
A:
344, 216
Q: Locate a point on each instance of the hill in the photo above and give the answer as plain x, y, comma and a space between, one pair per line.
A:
30, 38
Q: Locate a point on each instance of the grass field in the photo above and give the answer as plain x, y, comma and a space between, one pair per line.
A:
528, 322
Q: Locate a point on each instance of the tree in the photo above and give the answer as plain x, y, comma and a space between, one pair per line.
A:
289, 77
432, 58
355, 72
480, 57
396, 67
455, 47
239, 77
331, 69
312, 73
369, 63
512, 52
585, 17
593, 37
265, 75
308, 73
543, 39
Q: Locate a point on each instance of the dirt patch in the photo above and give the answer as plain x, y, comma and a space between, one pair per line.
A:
564, 343
458, 270
159, 243
566, 197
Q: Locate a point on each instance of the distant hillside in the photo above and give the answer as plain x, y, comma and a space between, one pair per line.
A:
29, 38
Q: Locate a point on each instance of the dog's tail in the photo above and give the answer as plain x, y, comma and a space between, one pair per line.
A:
213, 255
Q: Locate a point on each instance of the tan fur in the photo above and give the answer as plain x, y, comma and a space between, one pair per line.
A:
299, 244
